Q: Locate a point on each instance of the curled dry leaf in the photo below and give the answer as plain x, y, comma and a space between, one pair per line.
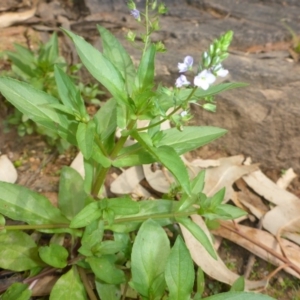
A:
230, 170
8, 19
214, 268
8, 172
129, 183
256, 237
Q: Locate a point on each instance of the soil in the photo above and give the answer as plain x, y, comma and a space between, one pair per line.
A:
39, 166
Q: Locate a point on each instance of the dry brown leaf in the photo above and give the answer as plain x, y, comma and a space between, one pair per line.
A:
78, 165
8, 19
214, 268
230, 170
43, 286
8, 172
127, 181
159, 179
250, 200
287, 177
292, 251
265, 187
283, 219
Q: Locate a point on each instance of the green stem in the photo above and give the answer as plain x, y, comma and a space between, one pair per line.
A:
147, 28
100, 145
169, 115
116, 221
103, 171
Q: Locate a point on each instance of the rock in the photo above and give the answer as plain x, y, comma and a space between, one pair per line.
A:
262, 119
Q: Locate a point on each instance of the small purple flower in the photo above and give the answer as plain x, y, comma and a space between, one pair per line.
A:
186, 65
135, 13
181, 80
220, 71
204, 79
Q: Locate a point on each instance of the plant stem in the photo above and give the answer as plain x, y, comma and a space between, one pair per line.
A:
103, 172
86, 284
147, 28
116, 221
169, 115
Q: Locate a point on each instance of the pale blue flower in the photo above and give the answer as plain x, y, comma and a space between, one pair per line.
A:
186, 65
181, 81
220, 71
135, 13
204, 79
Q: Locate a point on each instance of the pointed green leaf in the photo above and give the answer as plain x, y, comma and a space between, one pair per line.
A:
86, 216
54, 255
17, 291
190, 138
71, 195
69, 286
197, 184
239, 296
115, 52
69, 93
106, 119
100, 67
108, 291
22, 204
123, 206
199, 234
238, 285
85, 138
18, 252
149, 256
105, 269
179, 273
146, 69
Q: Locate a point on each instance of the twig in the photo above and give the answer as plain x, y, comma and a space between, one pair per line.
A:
86, 284
252, 257
268, 249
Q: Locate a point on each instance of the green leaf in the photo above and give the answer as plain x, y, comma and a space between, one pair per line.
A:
108, 291
191, 138
123, 206
85, 138
71, 195
199, 234
170, 159
238, 285
200, 282
69, 286
229, 212
100, 67
148, 209
146, 69
29, 100
17, 291
106, 119
115, 52
109, 247
239, 296
22, 204
133, 155
68, 92
24, 66
149, 256
179, 273
86, 216
218, 197
197, 184
54, 255
18, 252
50, 51
105, 269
